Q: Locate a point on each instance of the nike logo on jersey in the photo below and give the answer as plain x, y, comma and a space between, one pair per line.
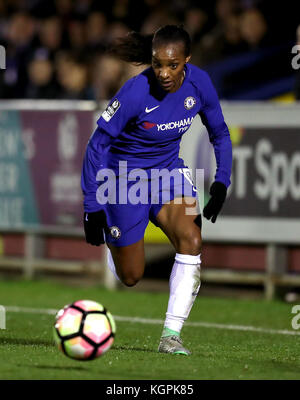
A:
148, 110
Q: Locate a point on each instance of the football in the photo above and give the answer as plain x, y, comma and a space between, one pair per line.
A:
84, 330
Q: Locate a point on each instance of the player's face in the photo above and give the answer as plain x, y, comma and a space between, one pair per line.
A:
168, 62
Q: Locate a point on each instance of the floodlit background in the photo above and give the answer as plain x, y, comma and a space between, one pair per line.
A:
58, 78
56, 49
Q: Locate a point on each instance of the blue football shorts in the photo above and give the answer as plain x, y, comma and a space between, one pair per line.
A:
136, 200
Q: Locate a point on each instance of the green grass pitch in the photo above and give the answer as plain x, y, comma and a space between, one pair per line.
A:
28, 352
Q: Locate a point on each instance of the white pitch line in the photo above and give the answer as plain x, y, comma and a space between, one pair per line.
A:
29, 310
52, 311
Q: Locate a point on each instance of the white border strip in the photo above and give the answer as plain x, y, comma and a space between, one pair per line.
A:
48, 105
253, 230
245, 328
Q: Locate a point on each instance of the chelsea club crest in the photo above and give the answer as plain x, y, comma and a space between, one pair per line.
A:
189, 102
115, 232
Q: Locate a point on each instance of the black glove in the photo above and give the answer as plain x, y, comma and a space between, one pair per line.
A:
218, 193
94, 224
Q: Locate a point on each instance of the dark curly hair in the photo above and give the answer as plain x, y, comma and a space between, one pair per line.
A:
137, 48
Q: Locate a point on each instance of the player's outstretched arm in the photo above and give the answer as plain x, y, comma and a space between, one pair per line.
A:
94, 218
110, 125
212, 118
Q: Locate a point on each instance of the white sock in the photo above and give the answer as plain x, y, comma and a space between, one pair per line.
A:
111, 264
184, 287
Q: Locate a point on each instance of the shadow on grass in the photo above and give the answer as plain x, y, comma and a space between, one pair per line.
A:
26, 342
54, 367
50, 343
132, 348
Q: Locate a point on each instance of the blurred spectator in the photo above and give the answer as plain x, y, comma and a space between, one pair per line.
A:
156, 19
107, 73
64, 9
120, 9
62, 61
76, 35
42, 84
51, 34
282, 18
73, 78
19, 45
225, 8
195, 22
83, 8
224, 42
252, 75
50, 44
116, 30
96, 32
224, 38
254, 29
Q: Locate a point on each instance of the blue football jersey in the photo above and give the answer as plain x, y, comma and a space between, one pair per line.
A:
143, 125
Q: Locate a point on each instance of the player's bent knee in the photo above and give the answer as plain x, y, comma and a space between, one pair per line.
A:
190, 243
195, 245
130, 279
129, 263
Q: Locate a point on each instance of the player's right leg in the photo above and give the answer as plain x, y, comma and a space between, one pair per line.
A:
124, 236
126, 221
129, 262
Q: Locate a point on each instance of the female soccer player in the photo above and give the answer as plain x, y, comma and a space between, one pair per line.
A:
141, 128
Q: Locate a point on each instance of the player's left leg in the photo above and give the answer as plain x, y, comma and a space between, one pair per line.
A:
124, 236
185, 235
127, 262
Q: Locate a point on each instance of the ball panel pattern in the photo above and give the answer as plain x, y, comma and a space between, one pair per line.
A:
89, 305
112, 322
105, 347
78, 348
68, 322
84, 330
96, 327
